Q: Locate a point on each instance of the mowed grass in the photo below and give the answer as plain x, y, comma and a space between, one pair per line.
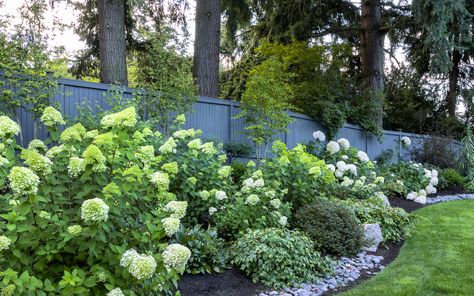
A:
437, 259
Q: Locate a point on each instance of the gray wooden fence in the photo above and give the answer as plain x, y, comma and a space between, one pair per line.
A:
215, 117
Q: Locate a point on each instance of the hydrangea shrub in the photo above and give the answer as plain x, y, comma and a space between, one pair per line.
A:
93, 213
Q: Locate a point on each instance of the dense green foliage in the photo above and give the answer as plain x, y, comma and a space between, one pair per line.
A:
452, 177
436, 244
277, 257
333, 228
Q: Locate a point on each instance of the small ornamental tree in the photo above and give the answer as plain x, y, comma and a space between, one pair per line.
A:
264, 102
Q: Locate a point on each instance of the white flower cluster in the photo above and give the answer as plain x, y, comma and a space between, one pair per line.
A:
344, 143
115, 292
8, 127
177, 208
5, 243
140, 266
251, 183
332, 147
212, 210
3, 161
419, 197
319, 136
51, 117
74, 229
276, 203
23, 180
343, 167
405, 141
160, 180
94, 210
171, 225
125, 118
220, 195
363, 157
76, 166
252, 200
176, 256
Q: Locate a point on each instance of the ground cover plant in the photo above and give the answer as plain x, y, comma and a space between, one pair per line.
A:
435, 260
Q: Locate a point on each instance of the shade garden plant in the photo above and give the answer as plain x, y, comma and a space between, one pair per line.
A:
125, 210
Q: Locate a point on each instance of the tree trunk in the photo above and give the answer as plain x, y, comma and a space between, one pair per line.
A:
372, 57
112, 46
206, 47
451, 98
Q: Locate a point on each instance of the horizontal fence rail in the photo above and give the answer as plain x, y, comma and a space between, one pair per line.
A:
215, 117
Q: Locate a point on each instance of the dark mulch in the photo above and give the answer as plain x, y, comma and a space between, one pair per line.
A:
388, 252
451, 190
407, 205
229, 283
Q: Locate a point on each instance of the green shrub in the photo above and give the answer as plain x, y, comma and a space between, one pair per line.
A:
96, 211
395, 222
208, 252
238, 171
452, 177
333, 228
257, 205
278, 257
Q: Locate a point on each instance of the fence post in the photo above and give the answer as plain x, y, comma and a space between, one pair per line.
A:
231, 130
399, 145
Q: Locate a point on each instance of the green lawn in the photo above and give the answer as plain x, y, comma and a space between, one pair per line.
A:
437, 259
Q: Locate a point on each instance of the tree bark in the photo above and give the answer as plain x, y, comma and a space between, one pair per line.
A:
112, 46
372, 57
206, 47
451, 97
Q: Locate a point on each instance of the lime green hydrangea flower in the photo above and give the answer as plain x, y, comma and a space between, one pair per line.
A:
5, 243
105, 139
91, 134
224, 172
170, 167
52, 117
191, 180
3, 161
205, 194
147, 132
276, 203
222, 158
140, 266
37, 145
177, 208
176, 257
125, 118
111, 190
23, 180
180, 119
94, 210
160, 180
38, 163
252, 200
195, 144
94, 157
208, 148
8, 290
168, 147
182, 134
74, 229
76, 166
145, 153
171, 225
73, 133
8, 127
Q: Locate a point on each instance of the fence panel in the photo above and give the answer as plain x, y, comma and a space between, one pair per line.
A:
215, 117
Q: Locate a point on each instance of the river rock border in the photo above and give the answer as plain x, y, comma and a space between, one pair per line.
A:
438, 199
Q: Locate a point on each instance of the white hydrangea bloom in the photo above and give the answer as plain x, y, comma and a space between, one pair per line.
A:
142, 267
3, 161
160, 180
352, 168
171, 225
125, 118
420, 199
427, 173
221, 195
331, 167
338, 173
23, 180
252, 200
5, 243
341, 165
94, 210
74, 229
406, 141
51, 117
212, 210
176, 256
421, 193
259, 183
434, 173
434, 181
115, 292
319, 136
8, 127
76, 166
276, 203
347, 182
363, 156
430, 189
332, 147
344, 143
283, 220
248, 182
411, 196
128, 257
177, 208
345, 157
